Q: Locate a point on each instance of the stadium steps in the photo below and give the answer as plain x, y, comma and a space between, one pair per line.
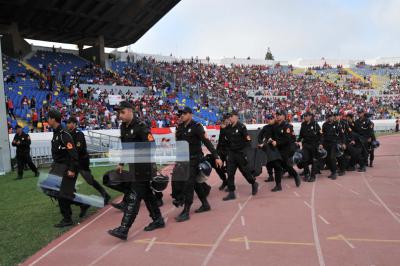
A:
298, 71
379, 82
354, 74
31, 68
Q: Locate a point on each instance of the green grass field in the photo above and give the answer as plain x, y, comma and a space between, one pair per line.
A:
28, 216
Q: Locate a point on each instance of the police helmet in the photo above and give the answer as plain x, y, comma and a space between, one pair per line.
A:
297, 157
159, 182
375, 144
322, 153
339, 150
205, 171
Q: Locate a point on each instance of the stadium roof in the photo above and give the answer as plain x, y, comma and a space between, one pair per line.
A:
121, 22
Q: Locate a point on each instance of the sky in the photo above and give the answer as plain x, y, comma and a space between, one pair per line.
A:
308, 29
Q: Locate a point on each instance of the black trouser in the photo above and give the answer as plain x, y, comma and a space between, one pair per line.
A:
84, 170
331, 147
221, 171
371, 152
67, 189
140, 191
310, 158
276, 166
285, 154
365, 150
235, 160
270, 170
21, 161
191, 185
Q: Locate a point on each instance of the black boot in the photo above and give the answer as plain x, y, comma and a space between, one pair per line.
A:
254, 188
361, 169
84, 209
311, 179
159, 223
184, 216
205, 206
120, 232
207, 189
351, 169
342, 173
231, 196
37, 173
223, 185
120, 206
333, 176
64, 223
297, 180
306, 177
371, 164
177, 203
277, 187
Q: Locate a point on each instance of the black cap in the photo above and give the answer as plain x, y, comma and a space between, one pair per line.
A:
226, 116
123, 105
234, 112
269, 116
185, 110
281, 112
73, 120
55, 114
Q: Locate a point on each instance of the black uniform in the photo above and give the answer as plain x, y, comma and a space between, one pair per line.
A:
353, 152
285, 138
238, 140
331, 137
65, 157
23, 143
139, 189
195, 135
310, 137
365, 128
84, 162
222, 150
274, 158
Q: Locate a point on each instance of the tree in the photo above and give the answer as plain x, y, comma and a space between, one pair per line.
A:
268, 55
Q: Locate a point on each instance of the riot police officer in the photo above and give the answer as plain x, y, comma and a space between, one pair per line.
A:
354, 146
134, 131
65, 157
193, 132
84, 161
365, 128
274, 158
284, 140
238, 140
331, 137
222, 150
22, 142
342, 161
310, 137
263, 136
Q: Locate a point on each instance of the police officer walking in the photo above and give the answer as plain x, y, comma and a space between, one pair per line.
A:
222, 150
310, 137
238, 140
274, 158
132, 132
331, 137
65, 157
193, 132
365, 128
284, 140
22, 142
84, 161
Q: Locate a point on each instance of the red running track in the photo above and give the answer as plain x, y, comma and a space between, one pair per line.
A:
354, 220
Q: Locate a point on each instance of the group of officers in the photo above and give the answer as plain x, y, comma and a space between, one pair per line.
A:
340, 145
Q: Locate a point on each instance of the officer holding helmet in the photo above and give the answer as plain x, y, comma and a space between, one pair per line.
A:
193, 132
134, 131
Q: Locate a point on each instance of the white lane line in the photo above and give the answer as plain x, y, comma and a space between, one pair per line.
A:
374, 202
165, 219
68, 238
354, 192
227, 227
323, 219
315, 229
240, 206
346, 241
297, 194
307, 204
340, 185
242, 219
151, 243
122, 242
380, 200
246, 243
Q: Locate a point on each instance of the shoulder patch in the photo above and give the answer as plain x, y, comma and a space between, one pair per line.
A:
70, 146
